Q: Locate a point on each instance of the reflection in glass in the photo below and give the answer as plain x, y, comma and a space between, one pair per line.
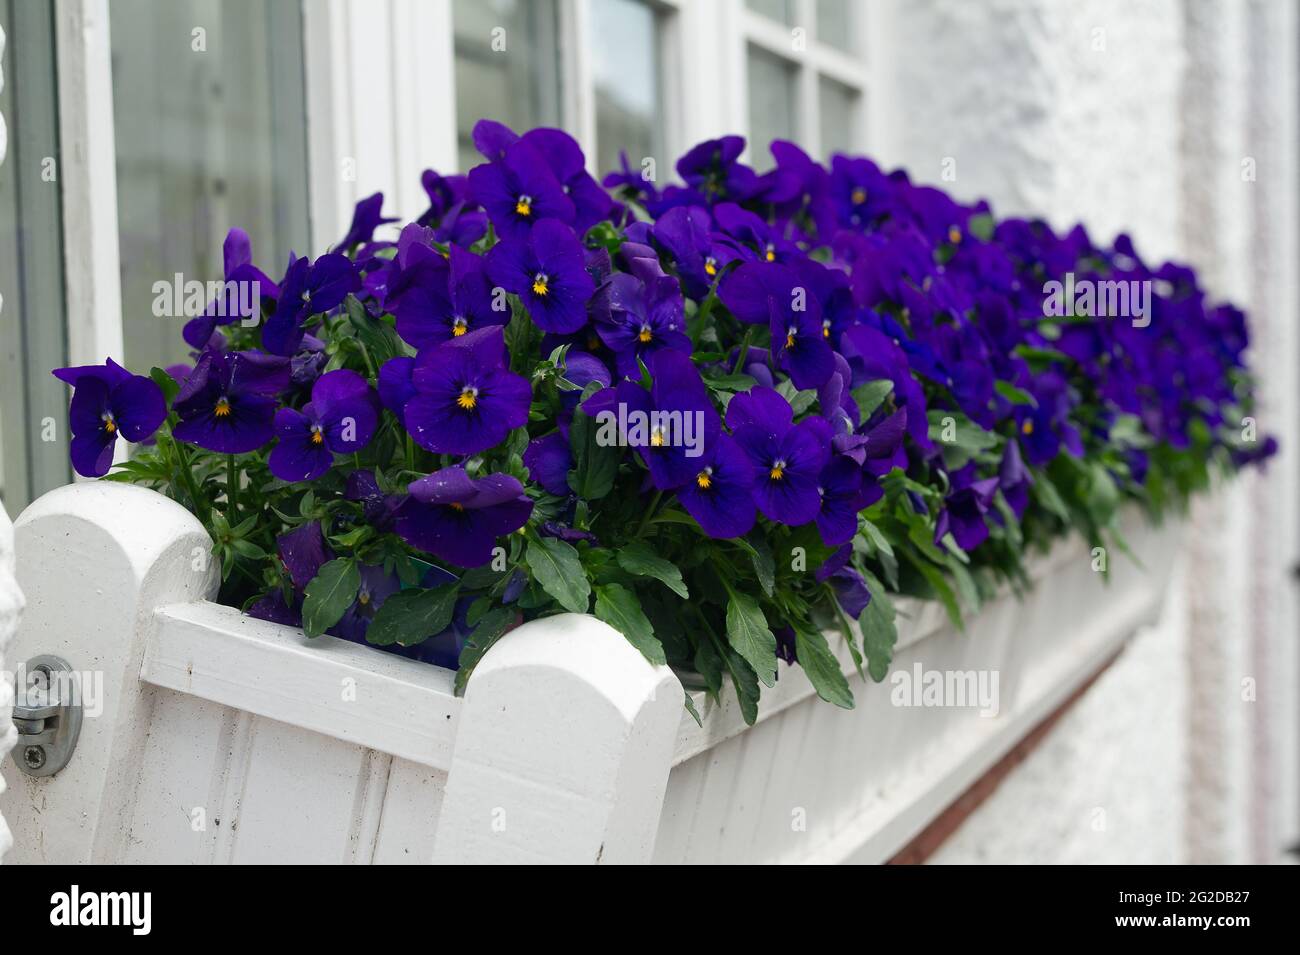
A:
835, 24
626, 69
507, 67
771, 103
839, 113
211, 133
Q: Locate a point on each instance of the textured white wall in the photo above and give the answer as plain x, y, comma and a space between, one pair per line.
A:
1136, 116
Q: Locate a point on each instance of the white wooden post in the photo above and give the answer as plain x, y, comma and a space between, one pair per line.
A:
565, 742
11, 608
96, 560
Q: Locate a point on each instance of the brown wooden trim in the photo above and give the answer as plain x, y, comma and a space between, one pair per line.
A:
948, 821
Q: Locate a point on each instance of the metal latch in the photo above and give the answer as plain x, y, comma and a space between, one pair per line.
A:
47, 714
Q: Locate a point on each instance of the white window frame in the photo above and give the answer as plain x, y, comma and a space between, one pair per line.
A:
381, 108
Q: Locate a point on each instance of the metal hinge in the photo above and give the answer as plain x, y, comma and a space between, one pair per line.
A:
47, 714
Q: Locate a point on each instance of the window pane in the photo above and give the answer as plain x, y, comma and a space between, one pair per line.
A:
771, 102
507, 67
32, 328
211, 133
835, 24
780, 10
626, 69
839, 113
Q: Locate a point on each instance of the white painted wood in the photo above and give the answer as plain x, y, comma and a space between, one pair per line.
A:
88, 175
94, 559
226, 739
11, 598
563, 750
334, 687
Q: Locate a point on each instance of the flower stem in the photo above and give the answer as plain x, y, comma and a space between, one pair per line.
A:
232, 488
744, 351
649, 512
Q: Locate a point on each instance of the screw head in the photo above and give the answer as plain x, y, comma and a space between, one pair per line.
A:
34, 756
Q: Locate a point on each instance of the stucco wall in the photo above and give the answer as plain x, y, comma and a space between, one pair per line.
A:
1138, 117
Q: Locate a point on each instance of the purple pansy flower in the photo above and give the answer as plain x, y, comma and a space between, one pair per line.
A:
303, 552
549, 461
519, 190
547, 270
308, 288
713, 170
458, 518
965, 507
644, 314
840, 487
107, 400
436, 299
786, 459
340, 419
367, 216
227, 404
466, 398
376, 586
720, 498
237, 253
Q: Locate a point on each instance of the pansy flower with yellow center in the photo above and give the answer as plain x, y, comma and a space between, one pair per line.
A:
228, 402
464, 397
720, 498
639, 315
436, 298
340, 419
458, 518
107, 402
547, 270
519, 190
786, 459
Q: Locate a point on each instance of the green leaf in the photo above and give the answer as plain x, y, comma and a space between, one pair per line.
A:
489, 630
618, 607
764, 563
169, 385
871, 395
879, 631
595, 465
409, 617
745, 682
555, 565
379, 338
1017, 396
748, 634
817, 660
329, 595
639, 560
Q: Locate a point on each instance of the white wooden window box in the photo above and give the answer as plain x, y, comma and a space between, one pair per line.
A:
227, 739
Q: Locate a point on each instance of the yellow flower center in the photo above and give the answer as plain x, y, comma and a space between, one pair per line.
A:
1028, 426
954, 234
459, 326
456, 506
646, 334
316, 436
657, 438
826, 328
524, 205
541, 283
109, 424
705, 479
468, 398
778, 470
770, 253
789, 336
363, 598
711, 266
222, 408
859, 196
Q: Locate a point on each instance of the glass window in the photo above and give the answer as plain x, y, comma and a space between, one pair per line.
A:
507, 67
210, 121
626, 70
835, 24
838, 109
781, 11
771, 103
33, 338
